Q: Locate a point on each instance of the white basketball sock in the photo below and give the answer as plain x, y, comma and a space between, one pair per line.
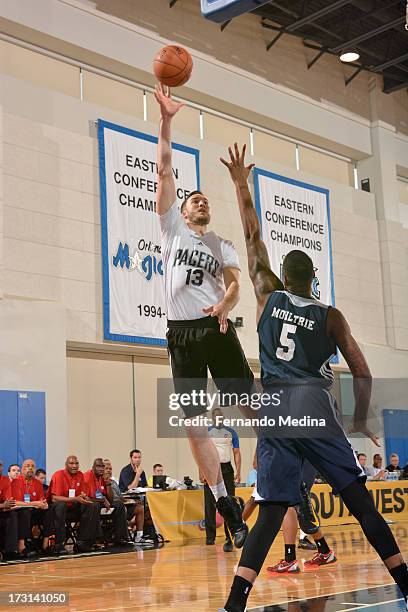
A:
219, 490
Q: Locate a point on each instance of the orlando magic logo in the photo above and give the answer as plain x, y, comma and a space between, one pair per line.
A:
148, 266
315, 281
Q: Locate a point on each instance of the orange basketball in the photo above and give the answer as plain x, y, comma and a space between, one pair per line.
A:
173, 66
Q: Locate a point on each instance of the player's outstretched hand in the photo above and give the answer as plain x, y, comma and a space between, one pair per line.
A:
362, 428
220, 311
168, 106
238, 170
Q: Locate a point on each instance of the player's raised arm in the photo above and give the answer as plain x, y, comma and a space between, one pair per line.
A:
339, 330
262, 277
166, 190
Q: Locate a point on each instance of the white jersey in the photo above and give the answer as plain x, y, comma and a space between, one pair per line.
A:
193, 266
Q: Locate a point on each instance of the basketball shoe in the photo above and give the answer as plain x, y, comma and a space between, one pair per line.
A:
284, 567
230, 510
320, 559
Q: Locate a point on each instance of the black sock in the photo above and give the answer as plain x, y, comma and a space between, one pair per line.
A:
290, 552
238, 596
322, 546
400, 575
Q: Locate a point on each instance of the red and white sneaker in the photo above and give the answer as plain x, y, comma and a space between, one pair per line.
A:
320, 559
284, 567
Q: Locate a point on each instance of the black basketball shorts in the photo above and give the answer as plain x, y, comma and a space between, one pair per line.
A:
197, 346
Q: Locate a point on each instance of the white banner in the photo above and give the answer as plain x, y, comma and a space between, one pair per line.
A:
296, 215
133, 286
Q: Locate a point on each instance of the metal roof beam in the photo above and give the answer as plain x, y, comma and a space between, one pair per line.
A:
316, 15
369, 34
392, 84
392, 62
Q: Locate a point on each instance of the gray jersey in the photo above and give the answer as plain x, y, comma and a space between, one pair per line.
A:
193, 266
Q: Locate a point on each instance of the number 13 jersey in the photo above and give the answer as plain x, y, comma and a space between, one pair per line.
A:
193, 267
293, 341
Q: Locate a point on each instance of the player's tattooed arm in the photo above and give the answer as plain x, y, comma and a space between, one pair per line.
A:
263, 278
339, 331
166, 189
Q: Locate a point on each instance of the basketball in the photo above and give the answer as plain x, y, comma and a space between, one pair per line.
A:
172, 66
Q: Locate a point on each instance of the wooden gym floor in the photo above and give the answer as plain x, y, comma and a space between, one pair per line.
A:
196, 577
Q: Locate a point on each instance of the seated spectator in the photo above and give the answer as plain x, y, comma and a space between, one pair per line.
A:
30, 499
158, 470
100, 492
41, 475
132, 475
134, 507
13, 471
69, 502
376, 472
8, 519
394, 461
362, 459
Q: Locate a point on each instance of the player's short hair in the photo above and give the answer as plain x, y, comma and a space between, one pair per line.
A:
135, 450
40, 471
182, 207
298, 267
156, 465
361, 455
13, 465
394, 455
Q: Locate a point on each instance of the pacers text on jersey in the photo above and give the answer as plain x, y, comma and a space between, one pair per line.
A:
197, 259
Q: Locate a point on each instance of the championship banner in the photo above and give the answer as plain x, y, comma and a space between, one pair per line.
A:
296, 215
133, 285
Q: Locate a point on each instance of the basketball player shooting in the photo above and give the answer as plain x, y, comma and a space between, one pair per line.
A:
202, 278
300, 351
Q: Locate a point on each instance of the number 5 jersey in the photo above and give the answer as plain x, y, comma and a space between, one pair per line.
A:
293, 341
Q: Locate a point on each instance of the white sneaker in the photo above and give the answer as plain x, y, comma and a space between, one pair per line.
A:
144, 539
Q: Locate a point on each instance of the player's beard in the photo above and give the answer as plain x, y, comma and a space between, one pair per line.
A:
199, 218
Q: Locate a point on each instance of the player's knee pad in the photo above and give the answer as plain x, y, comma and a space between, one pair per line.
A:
308, 519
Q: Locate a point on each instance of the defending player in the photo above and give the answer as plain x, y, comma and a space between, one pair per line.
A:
202, 278
298, 335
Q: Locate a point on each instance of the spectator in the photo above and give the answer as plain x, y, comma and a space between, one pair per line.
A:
100, 492
158, 470
13, 471
69, 502
30, 499
362, 459
376, 472
134, 507
132, 475
394, 461
41, 475
225, 440
8, 519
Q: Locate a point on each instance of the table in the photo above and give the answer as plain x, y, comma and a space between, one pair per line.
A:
179, 515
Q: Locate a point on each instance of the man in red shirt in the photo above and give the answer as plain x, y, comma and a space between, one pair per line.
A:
69, 502
29, 495
100, 492
8, 518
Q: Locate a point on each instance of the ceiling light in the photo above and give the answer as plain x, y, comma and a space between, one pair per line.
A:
349, 56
